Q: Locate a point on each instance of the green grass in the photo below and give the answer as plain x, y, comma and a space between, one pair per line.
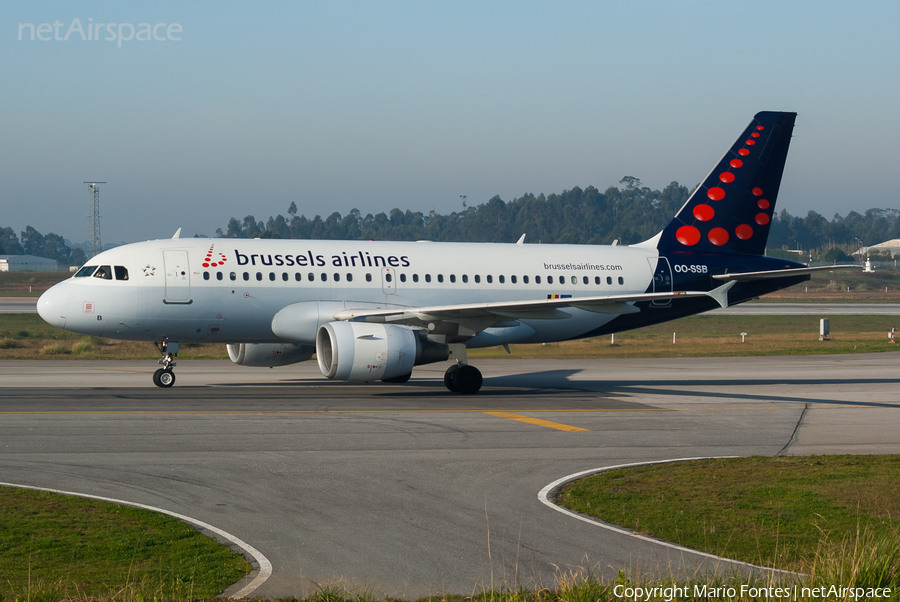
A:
696, 336
769, 511
70, 547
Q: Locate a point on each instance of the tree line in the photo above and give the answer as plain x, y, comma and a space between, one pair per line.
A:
32, 242
628, 213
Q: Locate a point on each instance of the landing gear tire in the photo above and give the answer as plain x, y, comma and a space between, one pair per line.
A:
397, 379
164, 378
448, 377
467, 380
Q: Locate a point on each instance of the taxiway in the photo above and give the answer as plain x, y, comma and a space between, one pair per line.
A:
408, 490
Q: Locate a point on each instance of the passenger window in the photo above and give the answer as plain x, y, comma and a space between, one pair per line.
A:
233, 276
465, 278
452, 277
219, 275
477, 279
297, 276
621, 280
415, 277
368, 277
502, 279
121, 272
349, 277
427, 277
512, 279
259, 276
388, 278
85, 271
337, 277
440, 277
586, 280
272, 276
609, 280
562, 279
324, 277
103, 272
537, 279
402, 277
284, 276
549, 279
246, 276
490, 279
596, 279
524, 279
206, 275
574, 280
311, 277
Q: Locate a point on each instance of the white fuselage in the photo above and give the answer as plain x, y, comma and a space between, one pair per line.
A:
229, 290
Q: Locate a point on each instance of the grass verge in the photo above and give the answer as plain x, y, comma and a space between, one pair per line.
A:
27, 336
55, 547
784, 512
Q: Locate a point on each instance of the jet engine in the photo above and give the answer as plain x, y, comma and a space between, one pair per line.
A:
268, 354
365, 352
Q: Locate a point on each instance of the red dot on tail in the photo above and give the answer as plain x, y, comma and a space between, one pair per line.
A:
750, 142
735, 163
762, 204
688, 235
743, 152
762, 219
757, 191
726, 177
718, 236
715, 193
206, 265
744, 232
759, 127
754, 135
704, 213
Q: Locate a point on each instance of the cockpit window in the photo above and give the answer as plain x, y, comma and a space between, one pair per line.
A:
121, 272
85, 271
104, 272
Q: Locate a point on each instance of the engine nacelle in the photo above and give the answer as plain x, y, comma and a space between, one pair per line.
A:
269, 354
365, 352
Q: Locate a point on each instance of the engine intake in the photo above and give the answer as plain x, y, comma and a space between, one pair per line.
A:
362, 351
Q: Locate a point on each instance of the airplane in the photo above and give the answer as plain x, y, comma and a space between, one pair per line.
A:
371, 311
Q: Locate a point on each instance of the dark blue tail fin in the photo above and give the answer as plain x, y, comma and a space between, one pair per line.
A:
731, 211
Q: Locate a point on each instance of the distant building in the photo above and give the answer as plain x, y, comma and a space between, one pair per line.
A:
892, 246
27, 263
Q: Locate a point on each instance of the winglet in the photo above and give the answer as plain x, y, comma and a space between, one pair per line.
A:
177, 234
720, 294
521, 240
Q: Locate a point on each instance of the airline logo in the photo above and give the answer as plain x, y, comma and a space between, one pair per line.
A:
208, 261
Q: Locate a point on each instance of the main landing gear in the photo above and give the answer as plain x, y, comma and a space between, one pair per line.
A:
461, 377
165, 376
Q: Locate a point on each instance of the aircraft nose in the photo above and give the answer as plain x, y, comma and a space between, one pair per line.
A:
53, 306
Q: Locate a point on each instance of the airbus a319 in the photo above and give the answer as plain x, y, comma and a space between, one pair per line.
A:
373, 311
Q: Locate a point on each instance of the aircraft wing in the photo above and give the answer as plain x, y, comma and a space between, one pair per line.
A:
747, 276
539, 309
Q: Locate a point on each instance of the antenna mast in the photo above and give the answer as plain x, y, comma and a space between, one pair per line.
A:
94, 218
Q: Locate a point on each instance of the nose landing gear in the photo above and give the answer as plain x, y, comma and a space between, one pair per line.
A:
165, 376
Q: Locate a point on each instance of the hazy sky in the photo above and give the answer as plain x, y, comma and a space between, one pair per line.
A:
374, 105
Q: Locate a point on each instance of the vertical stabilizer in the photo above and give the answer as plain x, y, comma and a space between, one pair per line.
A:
731, 211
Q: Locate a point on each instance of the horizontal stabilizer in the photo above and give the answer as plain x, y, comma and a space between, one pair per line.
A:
787, 273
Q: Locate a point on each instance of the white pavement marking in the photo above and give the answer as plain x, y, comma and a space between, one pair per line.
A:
544, 494
265, 567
